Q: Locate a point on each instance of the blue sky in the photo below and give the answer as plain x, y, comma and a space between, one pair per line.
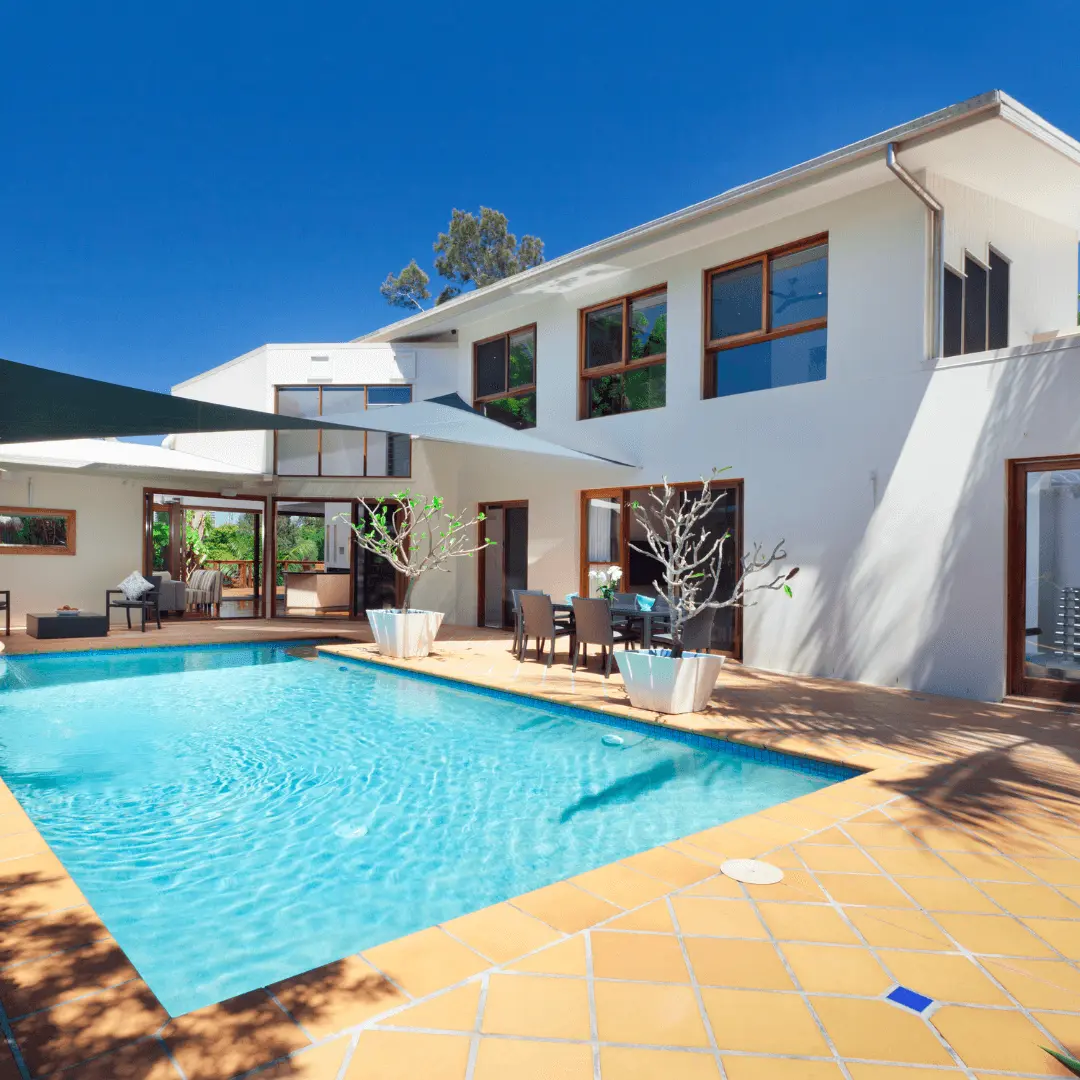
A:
180, 183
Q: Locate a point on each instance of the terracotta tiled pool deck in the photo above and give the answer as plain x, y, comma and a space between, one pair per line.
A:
951, 867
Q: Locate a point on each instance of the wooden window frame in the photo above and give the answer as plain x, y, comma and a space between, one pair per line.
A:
623, 495
37, 511
714, 345
625, 364
517, 391
1017, 682
366, 387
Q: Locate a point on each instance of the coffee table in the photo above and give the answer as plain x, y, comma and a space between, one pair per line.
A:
51, 625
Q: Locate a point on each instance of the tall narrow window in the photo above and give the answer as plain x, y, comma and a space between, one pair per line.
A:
504, 377
767, 319
974, 306
998, 306
953, 314
624, 354
341, 453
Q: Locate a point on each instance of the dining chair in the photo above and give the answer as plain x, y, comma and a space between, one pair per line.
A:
538, 621
516, 605
593, 625
696, 635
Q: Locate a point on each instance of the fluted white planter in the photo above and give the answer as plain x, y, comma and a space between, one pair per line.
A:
656, 682
404, 634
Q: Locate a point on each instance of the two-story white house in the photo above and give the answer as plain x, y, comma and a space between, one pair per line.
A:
874, 345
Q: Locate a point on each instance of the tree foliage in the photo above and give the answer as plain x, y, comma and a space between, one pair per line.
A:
415, 534
406, 289
474, 251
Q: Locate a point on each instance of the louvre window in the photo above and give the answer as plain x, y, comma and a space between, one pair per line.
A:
976, 306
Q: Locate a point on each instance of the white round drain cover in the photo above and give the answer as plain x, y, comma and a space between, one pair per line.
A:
752, 871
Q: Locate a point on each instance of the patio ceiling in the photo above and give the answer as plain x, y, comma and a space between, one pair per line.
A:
39, 405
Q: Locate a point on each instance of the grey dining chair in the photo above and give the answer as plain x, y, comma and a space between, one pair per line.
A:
593, 626
697, 632
516, 604
538, 621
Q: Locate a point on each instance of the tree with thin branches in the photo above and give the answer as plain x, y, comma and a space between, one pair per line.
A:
415, 534
690, 555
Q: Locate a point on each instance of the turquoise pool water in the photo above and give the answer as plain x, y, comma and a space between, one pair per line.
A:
238, 815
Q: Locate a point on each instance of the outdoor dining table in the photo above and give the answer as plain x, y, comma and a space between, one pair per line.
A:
632, 613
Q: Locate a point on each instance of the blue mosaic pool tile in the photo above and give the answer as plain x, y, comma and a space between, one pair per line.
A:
910, 999
826, 770
67, 654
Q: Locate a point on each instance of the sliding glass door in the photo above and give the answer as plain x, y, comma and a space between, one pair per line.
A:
1044, 579
187, 532
612, 536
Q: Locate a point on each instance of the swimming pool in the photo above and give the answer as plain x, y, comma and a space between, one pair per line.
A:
240, 814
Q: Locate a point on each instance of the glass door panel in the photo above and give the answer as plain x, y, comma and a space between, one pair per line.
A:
515, 557
504, 566
494, 584
1045, 602
376, 584
603, 535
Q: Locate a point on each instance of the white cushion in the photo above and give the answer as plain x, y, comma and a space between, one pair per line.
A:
135, 586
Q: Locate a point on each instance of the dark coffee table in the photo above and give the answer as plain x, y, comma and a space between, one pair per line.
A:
51, 625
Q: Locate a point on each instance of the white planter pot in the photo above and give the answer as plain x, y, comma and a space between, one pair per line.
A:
658, 683
404, 634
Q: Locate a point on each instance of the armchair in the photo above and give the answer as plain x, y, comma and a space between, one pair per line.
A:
173, 594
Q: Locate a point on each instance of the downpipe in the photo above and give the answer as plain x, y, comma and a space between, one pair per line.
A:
937, 250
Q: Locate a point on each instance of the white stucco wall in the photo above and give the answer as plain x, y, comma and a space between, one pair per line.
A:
1043, 283
108, 533
250, 380
887, 480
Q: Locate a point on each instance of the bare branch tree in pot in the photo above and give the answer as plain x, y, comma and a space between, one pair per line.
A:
414, 534
690, 556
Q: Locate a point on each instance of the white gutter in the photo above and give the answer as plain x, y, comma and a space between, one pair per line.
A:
937, 250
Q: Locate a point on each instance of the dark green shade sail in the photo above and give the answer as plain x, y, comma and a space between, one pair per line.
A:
37, 405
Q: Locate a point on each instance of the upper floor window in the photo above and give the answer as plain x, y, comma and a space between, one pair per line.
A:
766, 319
624, 354
504, 377
976, 306
341, 453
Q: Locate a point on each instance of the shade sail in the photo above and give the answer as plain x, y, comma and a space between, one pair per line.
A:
39, 405
449, 419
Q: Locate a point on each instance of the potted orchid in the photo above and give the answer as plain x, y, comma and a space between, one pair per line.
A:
606, 581
677, 680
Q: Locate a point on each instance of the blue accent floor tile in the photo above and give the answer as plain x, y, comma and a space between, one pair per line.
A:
910, 999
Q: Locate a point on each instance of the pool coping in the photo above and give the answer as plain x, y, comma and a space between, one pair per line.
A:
218, 1042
